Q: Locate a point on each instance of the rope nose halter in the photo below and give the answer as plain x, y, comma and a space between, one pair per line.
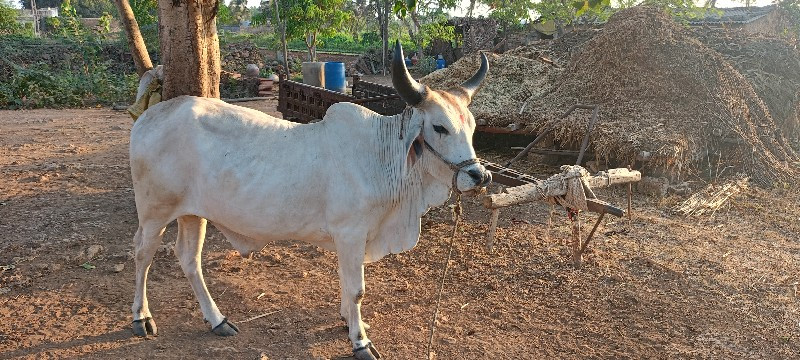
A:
455, 167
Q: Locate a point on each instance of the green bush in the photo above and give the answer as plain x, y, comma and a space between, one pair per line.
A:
9, 24
345, 43
39, 86
62, 73
426, 65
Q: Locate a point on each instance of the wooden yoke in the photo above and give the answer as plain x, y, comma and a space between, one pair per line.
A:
556, 186
572, 189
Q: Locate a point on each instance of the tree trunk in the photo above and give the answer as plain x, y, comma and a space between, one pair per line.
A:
385, 9
139, 51
285, 49
311, 44
189, 47
418, 37
283, 39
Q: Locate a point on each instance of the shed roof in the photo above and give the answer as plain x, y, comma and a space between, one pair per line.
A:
734, 15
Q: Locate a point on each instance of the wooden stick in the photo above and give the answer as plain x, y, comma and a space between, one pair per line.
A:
492, 230
525, 193
577, 255
260, 316
554, 187
613, 177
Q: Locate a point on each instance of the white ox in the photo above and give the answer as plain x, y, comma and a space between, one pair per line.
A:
355, 183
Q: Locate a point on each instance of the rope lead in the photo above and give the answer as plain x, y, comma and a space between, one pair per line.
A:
456, 221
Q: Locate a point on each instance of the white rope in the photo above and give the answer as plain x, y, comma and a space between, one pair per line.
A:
456, 220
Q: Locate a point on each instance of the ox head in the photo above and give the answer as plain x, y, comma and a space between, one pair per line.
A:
447, 125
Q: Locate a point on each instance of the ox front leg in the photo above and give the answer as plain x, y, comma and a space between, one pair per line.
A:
351, 280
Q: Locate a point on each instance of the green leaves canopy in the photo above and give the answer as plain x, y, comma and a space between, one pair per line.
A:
8, 20
313, 17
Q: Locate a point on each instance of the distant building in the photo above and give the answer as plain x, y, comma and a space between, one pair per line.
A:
42, 12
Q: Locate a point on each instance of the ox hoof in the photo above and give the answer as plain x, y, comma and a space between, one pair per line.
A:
368, 352
225, 328
144, 327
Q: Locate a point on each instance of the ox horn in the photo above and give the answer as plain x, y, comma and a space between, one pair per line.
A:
472, 84
409, 89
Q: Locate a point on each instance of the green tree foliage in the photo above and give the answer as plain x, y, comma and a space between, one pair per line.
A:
67, 23
309, 19
792, 8
239, 10
262, 15
8, 21
93, 8
510, 13
224, 15
104, 25
436, 30
146, 14
682, 9
402, 8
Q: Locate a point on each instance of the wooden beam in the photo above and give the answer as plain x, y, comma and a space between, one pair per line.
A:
540, 190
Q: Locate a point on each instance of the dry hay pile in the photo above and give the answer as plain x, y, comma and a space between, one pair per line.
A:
663, 93
770, 64
559, 50
511, 81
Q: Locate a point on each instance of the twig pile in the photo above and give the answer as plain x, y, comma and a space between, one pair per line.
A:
770, 64
710, 199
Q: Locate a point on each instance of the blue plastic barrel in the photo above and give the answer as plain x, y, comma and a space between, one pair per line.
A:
334, 76
440, 64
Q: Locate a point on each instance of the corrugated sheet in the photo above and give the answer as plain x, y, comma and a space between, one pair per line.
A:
735, 15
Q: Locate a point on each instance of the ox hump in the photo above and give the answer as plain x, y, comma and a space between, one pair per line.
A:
345, 112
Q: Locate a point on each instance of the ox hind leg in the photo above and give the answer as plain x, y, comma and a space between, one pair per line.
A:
351, 281
188, 249
146, 242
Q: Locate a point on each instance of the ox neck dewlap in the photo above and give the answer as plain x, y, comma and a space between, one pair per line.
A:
455, 167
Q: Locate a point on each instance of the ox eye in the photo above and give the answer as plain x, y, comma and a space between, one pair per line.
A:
440, 129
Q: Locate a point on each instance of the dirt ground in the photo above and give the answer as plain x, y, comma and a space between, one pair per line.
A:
661, 287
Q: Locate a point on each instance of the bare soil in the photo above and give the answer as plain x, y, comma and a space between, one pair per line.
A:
662, 286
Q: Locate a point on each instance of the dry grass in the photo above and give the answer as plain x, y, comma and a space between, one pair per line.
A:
511, 82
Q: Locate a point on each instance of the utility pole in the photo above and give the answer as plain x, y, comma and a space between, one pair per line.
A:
35, 13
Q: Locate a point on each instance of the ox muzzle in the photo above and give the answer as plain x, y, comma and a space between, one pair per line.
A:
480, 175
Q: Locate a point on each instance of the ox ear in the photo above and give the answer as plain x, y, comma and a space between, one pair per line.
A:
414, 148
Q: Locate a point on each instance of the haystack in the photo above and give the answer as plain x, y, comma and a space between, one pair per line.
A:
510, 82
771, 65
666, 95
667, 100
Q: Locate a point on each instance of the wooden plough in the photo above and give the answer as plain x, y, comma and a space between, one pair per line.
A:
572, 189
